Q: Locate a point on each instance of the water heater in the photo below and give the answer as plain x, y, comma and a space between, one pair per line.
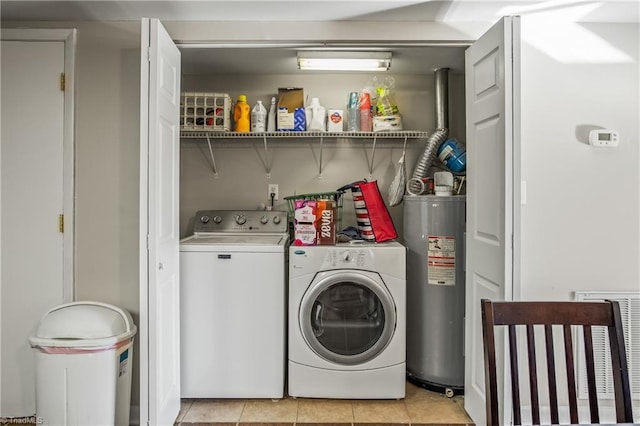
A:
434, 231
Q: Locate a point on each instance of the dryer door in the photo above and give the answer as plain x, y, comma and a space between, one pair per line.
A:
347, 317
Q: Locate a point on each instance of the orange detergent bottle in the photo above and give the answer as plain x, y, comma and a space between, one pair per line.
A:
241, 115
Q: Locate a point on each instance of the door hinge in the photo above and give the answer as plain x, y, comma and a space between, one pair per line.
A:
61, 223
62, 82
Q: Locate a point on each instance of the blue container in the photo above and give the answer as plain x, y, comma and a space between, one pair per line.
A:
453, 155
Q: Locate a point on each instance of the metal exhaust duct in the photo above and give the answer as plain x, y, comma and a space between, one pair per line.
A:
442, 98
424, 164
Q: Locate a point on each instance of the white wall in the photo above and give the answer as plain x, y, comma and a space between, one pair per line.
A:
107, 162
580, 223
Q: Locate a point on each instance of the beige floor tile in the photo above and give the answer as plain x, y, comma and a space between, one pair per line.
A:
185, 404
282, 410
416, 394
445, 411
324, 424
420, 406
214, 410
380, 412
323, 410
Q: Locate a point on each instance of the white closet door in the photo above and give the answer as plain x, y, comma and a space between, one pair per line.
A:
159, 226
491, 99
32, 271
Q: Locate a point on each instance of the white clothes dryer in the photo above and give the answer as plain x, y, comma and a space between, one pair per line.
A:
347, 321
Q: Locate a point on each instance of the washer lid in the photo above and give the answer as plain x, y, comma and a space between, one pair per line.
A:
236, 239
235, 243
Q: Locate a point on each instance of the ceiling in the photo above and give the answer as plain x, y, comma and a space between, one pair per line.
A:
306, 10
418, 60
282, 60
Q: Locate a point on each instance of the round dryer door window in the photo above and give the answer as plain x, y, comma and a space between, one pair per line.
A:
347, 317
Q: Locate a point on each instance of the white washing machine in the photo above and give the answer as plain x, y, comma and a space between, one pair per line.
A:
347, 321
233, 305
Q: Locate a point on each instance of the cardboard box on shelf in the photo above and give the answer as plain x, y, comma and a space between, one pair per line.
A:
291, 114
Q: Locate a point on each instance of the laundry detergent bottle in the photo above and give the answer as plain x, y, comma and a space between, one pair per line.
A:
259, 118
316, 116
241, 115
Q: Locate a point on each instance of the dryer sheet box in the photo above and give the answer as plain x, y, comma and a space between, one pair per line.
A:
335, 122
314, 222
291, 115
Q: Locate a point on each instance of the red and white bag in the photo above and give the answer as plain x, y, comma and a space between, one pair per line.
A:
373, 218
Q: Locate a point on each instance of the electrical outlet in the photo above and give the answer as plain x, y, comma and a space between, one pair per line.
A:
272, 189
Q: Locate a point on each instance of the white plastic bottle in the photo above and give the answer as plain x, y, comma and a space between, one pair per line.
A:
271, 120
259, 118
316, 116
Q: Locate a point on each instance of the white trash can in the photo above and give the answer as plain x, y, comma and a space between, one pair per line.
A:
84, 356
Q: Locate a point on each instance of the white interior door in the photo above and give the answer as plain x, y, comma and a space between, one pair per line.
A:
37, 187
491, 97
159, 226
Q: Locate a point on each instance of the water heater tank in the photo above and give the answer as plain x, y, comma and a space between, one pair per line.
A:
434, 231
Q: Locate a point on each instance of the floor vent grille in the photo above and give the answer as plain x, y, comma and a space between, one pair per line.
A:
630, 313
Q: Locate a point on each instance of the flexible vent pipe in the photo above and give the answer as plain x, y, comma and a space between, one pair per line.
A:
424, 164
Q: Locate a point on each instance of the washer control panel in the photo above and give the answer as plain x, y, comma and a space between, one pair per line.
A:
347, 257
245, 221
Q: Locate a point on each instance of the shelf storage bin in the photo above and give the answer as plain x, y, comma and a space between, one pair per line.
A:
205, 111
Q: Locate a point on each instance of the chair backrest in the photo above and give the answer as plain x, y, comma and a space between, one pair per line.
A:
567, 315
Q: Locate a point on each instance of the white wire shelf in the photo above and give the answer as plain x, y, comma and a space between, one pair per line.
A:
209, 135
204, 134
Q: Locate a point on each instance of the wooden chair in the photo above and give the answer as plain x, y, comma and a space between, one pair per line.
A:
566, 314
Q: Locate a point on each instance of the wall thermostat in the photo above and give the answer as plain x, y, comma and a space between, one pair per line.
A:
603, 137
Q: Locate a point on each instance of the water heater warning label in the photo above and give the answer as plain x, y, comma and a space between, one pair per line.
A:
441, 260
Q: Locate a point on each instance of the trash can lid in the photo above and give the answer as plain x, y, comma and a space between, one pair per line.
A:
84, 324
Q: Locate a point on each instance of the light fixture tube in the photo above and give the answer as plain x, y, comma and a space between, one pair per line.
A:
344, 61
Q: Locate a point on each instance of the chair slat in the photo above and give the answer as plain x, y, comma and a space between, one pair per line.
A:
490, 375
551, 373
591, 374
533, 375
549, 314
621, 384
571, 377
515, 380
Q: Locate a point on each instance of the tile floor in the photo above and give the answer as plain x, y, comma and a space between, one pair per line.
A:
419, 407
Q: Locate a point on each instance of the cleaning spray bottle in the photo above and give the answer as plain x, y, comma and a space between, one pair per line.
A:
271, 120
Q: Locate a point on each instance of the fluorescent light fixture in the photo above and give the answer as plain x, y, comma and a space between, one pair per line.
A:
344, 61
